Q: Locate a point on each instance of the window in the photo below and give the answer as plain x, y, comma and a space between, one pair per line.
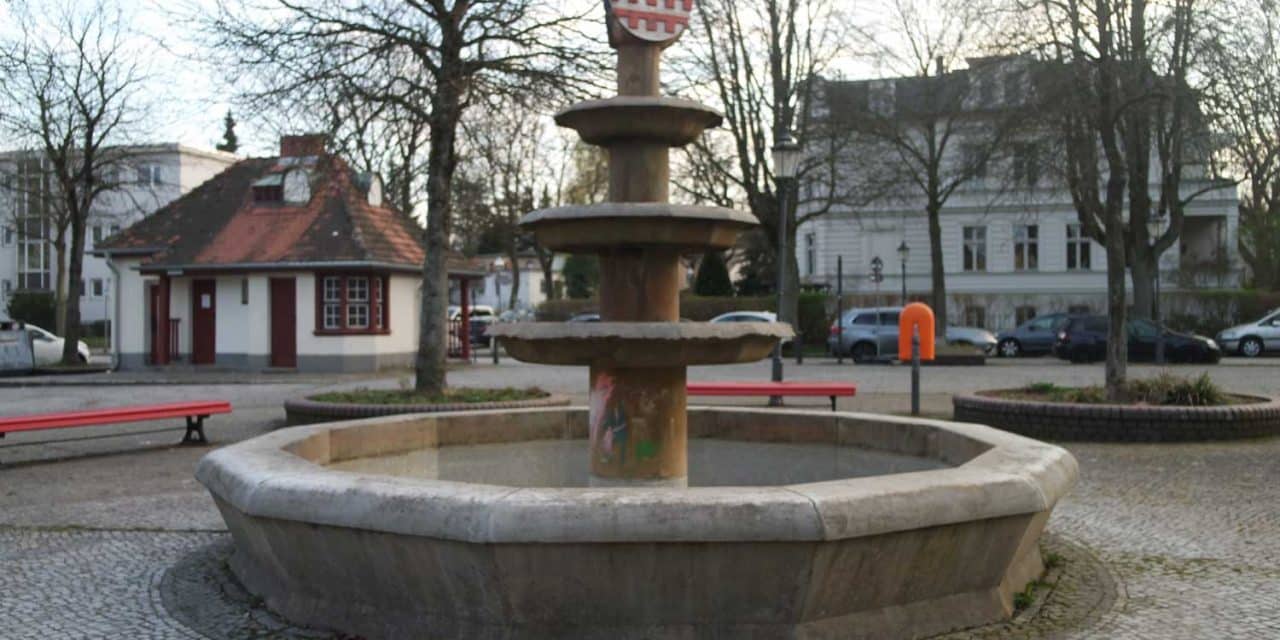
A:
975, 161
1078, 309
1026, 165
975, 317
1077, 249
83, 290
975, 248
6, 287
1023, 314
112, 229
889, 318
6, 237
810, 253
149, 175
864, 318
1026, 248
354, 303
97, 287
97, 234
244, 291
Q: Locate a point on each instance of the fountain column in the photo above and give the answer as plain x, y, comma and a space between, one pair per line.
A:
639, 353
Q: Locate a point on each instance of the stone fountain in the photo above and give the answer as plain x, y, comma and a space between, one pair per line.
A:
639, 352
680, 522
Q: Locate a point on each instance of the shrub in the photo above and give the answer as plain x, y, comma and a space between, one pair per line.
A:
713, 276
581, 275
563, 309
33, 307
1168, 389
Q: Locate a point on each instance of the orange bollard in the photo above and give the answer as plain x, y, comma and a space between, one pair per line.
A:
918, 316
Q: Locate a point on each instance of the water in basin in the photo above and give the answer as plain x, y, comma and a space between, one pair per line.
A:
712, 462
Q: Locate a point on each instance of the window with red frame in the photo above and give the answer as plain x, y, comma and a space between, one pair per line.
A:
351, 303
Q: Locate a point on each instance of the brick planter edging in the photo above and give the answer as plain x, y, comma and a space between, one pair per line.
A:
1120, 423
308, 411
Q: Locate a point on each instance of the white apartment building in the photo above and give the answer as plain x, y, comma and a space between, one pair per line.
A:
153, 176
1011, 241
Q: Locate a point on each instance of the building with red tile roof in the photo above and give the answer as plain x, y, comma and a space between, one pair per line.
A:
293, 262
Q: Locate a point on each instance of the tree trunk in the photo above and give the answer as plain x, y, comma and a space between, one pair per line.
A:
71, 318
937, 271
1143, 272
60, 284
429, 365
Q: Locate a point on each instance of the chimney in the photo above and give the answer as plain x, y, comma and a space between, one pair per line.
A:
939, 64
310, 144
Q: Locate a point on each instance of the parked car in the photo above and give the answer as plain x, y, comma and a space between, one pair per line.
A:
47, 348
872, 334
1031, 338
1253, 339
1084, 339
478, 318
590, 316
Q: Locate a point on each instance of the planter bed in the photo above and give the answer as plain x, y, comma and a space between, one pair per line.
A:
1252, 418
309, 411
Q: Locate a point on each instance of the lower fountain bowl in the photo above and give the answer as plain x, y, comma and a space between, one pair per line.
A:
938, 544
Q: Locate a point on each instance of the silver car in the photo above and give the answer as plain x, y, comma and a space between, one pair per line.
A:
1253, 339
871, 334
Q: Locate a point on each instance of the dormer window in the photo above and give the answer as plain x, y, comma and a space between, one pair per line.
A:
297, 186
269, 188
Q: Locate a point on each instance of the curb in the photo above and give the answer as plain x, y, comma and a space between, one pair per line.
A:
1120, 423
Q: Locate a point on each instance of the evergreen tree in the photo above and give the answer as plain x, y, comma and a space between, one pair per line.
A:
713, 276
229, 141
581, 274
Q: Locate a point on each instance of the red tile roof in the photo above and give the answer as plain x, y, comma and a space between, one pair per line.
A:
219, 224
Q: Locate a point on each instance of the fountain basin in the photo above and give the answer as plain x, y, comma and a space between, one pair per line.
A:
651, 119
640, 344
884, 556
610, 225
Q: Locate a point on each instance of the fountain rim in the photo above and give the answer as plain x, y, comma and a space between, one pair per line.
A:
1013, 476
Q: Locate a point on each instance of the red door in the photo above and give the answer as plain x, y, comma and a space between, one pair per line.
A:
284, 323
203, 320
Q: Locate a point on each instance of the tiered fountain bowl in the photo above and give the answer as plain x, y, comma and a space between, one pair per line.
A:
637, 517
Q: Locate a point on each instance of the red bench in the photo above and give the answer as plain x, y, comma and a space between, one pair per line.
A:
194, 412
810, 389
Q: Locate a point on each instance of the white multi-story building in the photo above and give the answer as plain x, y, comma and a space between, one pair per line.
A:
151, 177
1011, 240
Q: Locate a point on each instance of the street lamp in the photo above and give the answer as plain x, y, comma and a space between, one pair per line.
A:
904, 252
786, 156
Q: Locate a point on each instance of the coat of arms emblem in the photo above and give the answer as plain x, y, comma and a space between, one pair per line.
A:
652, 20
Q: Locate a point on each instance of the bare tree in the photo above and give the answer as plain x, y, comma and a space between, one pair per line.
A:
69, 94
941, 118
1245, 102
758, 59
1122, 69
430, 58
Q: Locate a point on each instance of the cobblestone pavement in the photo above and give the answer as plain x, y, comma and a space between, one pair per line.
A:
1157, 541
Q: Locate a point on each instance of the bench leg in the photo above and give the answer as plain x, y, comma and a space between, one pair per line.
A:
833, 403
195, 431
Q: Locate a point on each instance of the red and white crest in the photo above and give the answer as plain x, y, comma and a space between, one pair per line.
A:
653, 20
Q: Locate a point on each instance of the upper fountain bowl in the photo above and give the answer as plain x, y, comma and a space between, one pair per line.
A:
656, 119
612, 225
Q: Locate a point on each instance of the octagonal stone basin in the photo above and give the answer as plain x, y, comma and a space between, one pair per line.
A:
399, 527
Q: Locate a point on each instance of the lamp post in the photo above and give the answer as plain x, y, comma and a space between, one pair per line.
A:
498, 265
903, 253
1153, 228
786, 155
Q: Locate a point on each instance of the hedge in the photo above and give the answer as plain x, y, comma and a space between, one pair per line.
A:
1211, 310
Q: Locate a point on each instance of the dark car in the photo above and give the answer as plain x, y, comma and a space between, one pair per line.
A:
1031, 338
1084, 339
